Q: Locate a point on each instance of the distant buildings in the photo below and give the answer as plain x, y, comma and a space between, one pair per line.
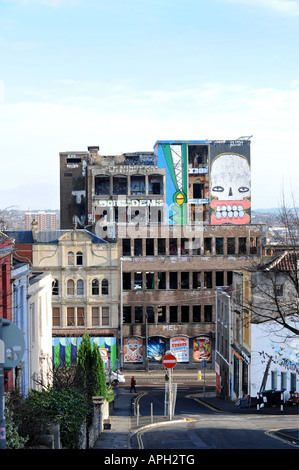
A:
44, 220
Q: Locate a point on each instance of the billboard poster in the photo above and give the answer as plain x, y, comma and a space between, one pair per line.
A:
179, 347
133, 349
156, 349
202, 348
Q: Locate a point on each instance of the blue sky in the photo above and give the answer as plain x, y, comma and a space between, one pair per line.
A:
123, 74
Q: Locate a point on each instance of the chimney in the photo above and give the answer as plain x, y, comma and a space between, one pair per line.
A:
34, 229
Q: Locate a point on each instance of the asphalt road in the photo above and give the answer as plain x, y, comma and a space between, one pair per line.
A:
196, 426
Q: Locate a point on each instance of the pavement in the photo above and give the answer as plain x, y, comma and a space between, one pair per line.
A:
123, 422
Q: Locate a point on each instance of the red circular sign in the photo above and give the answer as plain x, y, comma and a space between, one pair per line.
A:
169, 361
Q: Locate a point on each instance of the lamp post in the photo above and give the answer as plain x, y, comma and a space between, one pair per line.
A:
121, 316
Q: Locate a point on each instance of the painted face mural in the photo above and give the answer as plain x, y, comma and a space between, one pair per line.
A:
231, 189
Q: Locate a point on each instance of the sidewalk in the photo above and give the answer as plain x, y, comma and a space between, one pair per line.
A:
121, 418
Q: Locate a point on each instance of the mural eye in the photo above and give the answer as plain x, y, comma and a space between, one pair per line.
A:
243, 189
218, 189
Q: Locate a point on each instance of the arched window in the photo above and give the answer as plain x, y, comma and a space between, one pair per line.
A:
80, 287
79, 258
70, 287
95, 287
55, 287
70, 258
105, 287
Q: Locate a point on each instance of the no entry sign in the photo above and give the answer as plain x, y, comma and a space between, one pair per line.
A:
169, 361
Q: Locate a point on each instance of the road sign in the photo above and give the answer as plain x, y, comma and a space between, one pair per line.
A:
169, 361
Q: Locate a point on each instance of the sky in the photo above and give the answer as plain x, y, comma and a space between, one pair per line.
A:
123, 74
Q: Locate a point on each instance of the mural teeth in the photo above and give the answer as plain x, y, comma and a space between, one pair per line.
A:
241, 214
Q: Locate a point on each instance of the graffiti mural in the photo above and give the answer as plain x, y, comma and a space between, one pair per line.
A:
202, 348
156, 349
230, 189
133, 349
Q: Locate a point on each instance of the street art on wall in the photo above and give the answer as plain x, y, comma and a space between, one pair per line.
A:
173, 156
156, 349
230, 188
202, 348
133, 349
64, 350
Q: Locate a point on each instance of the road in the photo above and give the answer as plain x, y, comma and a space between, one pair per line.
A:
196, 426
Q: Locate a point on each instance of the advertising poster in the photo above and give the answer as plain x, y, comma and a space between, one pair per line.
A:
133, 349
156, 349
179, 347
202, 348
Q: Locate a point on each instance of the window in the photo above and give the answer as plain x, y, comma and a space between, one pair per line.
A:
137, 185
196, 246
173, 314
229, 277
150, 312
105, 316
207, 246
55, 287
185, 313
279, 290
162, 280
231, 246
95, 287
196, 280
173, 246
70, 258
161, 246
79, 258
219, 246
149, 246
70, 316
127, 314
150, 280
80, 316
80, 287
126, 281
219, 278
253, 245
155, 184
283, 381
293, 381
56, 316
70, 287
184, 280
126, 247
161, 314
196, 314
208, 283
242, 245
102, 185
139, 314
95, 316
120, 185
138, 247
208, 313
105, 287
184, 246
138, 284
173, 280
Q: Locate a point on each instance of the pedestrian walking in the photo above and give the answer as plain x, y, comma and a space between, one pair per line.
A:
133, 383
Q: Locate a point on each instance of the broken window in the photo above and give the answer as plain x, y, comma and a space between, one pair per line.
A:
102, 185
127, 314
196, 246
196, 314
197, 155
173, 280
231, 246
137, 185
184, 246
208, 313
184, 280
139, 314
155, 184
173, 246
208, 280
150, 313
161, 280
126, 281
198, 190
196, 280
161, 246
149, 280
126, 247
242, 245
207, 246
161, 314
138, 280
120, 185
137, 247
229, 275
185, 313
219, 278
149, 245
219, 246
173, 314
253, 245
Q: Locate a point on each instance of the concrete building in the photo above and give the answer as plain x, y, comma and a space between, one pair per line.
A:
45, 220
